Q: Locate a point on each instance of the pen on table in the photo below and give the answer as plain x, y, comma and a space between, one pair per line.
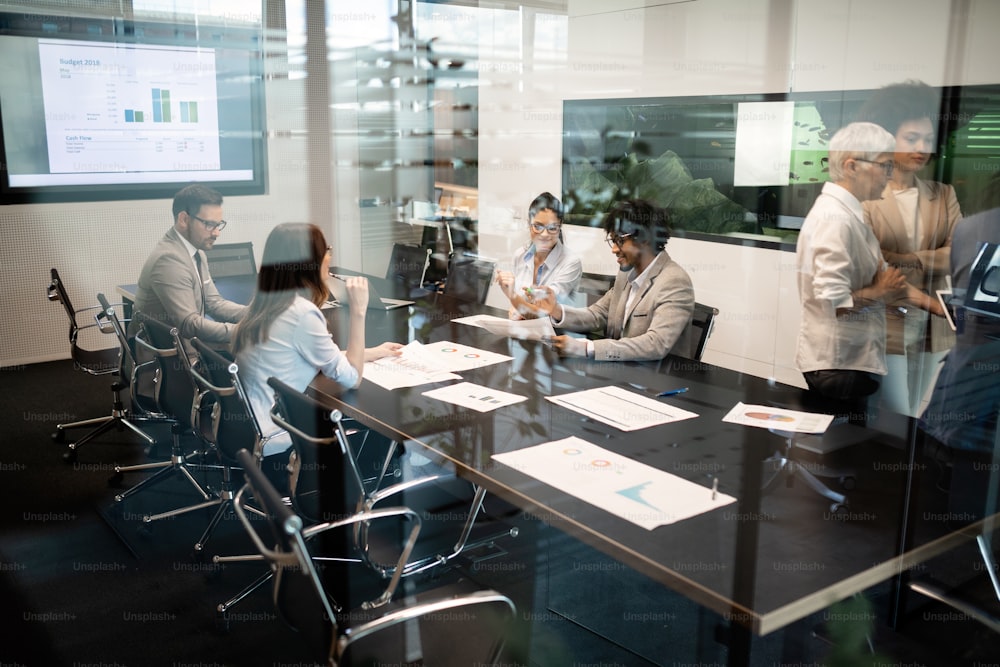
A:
340, 278
672, 392
715, 487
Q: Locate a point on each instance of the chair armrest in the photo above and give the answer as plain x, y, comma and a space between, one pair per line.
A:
365, 517
388, 491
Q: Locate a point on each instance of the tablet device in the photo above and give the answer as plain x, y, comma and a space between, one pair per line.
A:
944, 296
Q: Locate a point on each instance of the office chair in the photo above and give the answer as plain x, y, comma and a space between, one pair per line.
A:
408, 267
231, 259
321, 444
177, 395
702, 324
444, 627
325, 481
469, 278
786, 465
102, 361
594, 285
234, 425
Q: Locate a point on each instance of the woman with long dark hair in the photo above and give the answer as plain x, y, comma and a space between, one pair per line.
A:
284, 332
544, 264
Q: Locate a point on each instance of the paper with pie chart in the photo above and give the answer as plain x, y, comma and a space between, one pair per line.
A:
422, 364
636, 492
778, 419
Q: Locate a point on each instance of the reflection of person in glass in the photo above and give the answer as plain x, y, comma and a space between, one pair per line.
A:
844, 282
913, 220
544, 263
648, 309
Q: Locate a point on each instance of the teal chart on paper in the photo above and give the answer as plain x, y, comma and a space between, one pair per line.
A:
631, 490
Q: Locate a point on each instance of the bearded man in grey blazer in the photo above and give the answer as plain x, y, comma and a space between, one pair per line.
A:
175, 285
647, 311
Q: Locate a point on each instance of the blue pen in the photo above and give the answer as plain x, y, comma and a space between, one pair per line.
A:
672, 392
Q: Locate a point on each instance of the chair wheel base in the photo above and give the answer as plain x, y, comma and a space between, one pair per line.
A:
116, 480
847, 482
838, 507
70, 456
59, 436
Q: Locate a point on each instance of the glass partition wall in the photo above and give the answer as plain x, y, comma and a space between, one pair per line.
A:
384, 117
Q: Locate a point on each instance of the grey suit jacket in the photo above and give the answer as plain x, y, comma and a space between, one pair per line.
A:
169, 289
658, 323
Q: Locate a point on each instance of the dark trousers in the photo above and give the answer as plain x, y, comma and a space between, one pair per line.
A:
844, 393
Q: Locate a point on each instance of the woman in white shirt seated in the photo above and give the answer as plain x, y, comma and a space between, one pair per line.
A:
284, 334
544, 262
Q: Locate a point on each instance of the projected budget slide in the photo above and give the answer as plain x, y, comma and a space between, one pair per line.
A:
114, 108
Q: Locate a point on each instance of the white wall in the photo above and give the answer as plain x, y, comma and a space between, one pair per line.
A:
714, 47
98, 245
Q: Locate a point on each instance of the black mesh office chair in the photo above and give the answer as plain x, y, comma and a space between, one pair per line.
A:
320, 443
325, 481
408, 268
702, 324
231, 259
234, 425
469, 278
177, 395
94, 361
444, 627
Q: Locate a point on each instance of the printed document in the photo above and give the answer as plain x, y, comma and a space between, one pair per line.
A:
634, 491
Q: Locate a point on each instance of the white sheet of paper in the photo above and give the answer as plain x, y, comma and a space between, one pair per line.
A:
453, 357
475, 320
521, 329
623, 409
406, 370
617, 484
777, 419
475, 396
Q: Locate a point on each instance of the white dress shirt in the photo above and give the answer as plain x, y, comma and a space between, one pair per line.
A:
298, 346
837, 253
560, 271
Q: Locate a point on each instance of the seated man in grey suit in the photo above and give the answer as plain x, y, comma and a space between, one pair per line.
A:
175, 285
647, 311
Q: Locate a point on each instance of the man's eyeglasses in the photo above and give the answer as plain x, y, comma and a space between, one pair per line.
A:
551, 228
888, 166
210, 225
617, 239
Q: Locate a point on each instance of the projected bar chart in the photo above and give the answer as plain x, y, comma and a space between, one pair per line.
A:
166, 99
161, 110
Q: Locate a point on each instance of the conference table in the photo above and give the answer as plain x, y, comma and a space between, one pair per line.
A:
760, 563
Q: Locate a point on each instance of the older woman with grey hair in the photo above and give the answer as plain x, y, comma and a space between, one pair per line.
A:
844, 281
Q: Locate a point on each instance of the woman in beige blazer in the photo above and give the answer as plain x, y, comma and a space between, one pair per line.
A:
913, 221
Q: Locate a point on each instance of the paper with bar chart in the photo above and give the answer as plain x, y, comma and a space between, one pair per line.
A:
475, 396
623, 409
137, 108
636, 492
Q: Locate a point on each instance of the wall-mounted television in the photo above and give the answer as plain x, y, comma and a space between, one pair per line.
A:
106, 109
751, 163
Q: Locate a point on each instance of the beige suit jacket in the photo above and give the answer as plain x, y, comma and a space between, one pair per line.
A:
939, 213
